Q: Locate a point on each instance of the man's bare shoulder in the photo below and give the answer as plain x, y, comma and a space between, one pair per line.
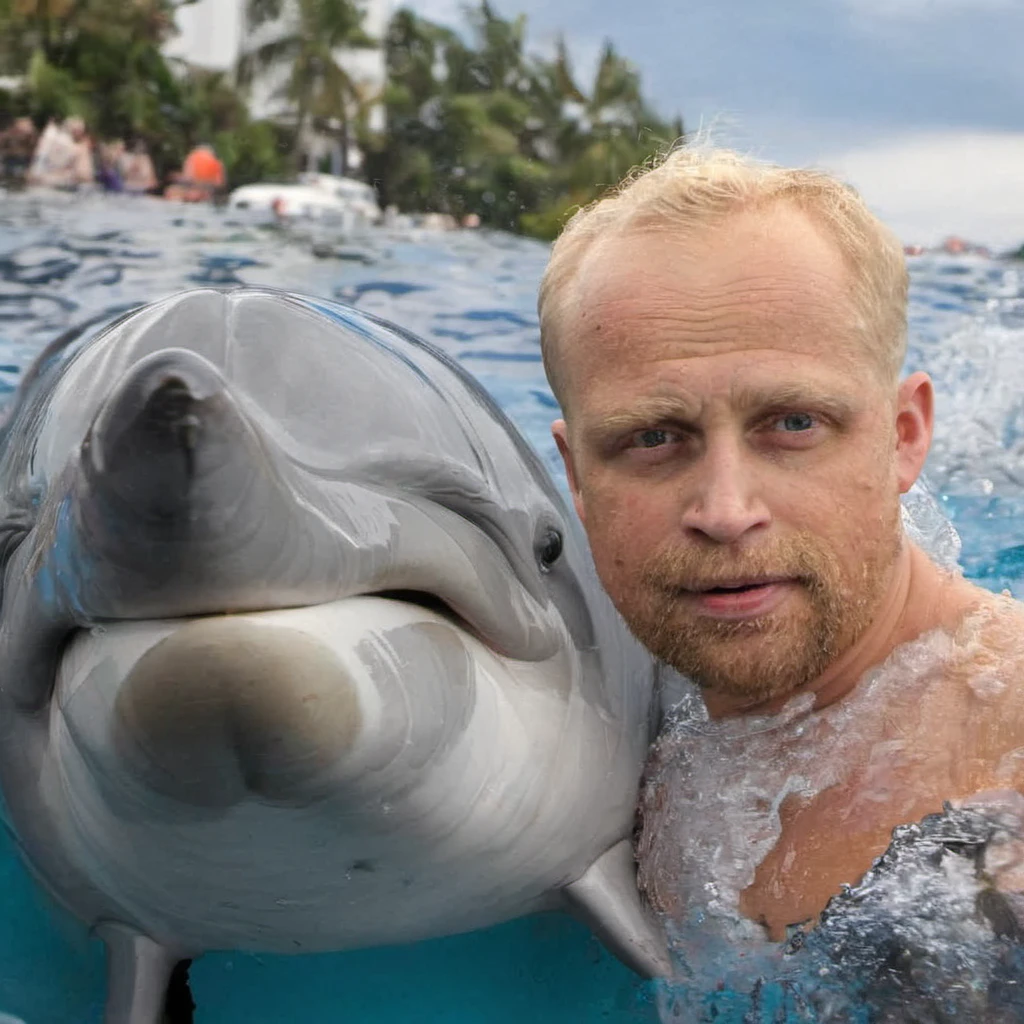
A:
986, 684
990, 636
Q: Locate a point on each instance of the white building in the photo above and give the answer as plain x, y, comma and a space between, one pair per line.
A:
210, 34
213, 34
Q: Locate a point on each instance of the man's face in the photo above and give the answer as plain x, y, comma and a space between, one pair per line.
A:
733, 449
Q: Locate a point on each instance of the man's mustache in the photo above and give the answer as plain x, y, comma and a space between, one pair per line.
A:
799, 558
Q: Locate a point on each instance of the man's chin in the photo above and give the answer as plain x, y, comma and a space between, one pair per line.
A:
759, 660
731, 683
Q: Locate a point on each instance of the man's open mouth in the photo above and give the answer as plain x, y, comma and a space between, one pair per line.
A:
738, 598
737, 586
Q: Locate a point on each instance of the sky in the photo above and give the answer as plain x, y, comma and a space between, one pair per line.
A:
919, 103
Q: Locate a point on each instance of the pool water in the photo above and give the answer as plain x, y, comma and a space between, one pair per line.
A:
65, 261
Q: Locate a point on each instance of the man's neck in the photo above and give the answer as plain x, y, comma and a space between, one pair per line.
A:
920, 597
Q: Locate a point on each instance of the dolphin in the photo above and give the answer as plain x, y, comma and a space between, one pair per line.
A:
301, 649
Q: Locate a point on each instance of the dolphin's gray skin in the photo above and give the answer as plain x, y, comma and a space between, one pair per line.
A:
301, 650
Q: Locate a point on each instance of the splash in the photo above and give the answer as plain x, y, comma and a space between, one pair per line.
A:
921, 937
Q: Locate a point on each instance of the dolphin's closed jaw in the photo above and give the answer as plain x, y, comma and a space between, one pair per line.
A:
225, 708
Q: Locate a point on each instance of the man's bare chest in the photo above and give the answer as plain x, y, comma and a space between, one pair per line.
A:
783, 817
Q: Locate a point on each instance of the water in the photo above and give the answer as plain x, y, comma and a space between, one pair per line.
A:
923, 937
64, 261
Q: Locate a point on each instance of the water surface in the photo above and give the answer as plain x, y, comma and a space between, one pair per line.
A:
64, 261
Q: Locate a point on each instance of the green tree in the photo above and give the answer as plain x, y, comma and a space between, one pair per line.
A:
458, 115
476, 124
400, 160
593, 138
103, 60
312, 35
97, 58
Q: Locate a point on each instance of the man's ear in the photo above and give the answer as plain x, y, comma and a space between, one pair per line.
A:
915, 409
560, 432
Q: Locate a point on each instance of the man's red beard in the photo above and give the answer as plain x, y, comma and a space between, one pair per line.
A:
774, 654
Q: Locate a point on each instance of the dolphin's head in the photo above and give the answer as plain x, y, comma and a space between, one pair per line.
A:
247, 450
272, 555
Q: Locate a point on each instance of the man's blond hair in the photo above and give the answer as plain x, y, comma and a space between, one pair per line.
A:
696, 186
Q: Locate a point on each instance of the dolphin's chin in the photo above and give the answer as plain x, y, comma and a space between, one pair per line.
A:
283, 706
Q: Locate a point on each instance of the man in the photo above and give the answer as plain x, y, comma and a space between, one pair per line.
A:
725, 339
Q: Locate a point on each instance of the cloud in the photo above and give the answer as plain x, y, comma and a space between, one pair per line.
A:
930, 185
894, 10
446, 12
797, 79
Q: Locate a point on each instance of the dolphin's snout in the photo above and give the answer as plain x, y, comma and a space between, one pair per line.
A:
156, 412
225, 708
170, 425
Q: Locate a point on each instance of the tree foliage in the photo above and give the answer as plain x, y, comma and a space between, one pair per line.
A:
475, 124
103, 60
316, 84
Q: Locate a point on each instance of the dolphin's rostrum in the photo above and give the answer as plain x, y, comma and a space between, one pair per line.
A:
300, 648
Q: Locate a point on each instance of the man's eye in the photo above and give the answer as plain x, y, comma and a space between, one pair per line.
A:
796, 422
651, 438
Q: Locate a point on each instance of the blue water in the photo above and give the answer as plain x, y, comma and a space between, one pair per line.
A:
63, 262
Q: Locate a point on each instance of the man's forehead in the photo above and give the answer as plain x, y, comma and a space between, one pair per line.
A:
780, 239
758, 279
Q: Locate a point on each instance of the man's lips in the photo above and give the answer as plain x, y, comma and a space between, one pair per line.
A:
738, 599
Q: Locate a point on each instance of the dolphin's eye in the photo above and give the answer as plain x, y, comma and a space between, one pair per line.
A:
549, 549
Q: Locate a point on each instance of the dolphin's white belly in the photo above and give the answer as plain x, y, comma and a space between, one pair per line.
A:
449, 789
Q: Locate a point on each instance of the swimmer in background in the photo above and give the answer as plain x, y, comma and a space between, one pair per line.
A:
63, 156
17, 144
725, 340
108, 165
201, 177
137, 172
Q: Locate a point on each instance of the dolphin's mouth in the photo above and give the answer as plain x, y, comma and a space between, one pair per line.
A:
429, 602
183, 505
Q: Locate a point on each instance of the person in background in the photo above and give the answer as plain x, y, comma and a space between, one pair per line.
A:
201, 177
63, 156
137, 173
83, 168
108, 171
17, 144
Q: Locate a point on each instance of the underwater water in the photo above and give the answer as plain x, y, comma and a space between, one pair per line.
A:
64, 261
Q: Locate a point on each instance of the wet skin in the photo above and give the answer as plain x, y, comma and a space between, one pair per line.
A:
722, 401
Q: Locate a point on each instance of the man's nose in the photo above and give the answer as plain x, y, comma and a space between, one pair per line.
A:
724, 499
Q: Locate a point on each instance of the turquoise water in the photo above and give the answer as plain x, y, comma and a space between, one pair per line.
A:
63, 262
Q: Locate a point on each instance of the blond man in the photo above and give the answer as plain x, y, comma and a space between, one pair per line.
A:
725, 340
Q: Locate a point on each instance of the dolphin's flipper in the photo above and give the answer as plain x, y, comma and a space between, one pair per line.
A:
606, 898
139, 973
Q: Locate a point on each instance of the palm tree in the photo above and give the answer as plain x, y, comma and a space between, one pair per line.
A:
556, 101
592, 138
313, 33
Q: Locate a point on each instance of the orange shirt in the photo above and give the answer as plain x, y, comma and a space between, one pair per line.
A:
203, 167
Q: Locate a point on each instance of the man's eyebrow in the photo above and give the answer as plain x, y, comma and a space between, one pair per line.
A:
645, 411
792, 395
